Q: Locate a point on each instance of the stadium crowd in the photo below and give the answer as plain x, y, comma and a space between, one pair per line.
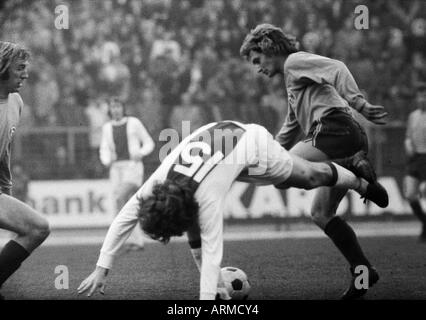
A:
179, 60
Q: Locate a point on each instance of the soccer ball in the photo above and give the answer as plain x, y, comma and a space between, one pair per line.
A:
236, 282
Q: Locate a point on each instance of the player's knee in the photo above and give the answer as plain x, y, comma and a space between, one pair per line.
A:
319, 217
314, 180
316, 218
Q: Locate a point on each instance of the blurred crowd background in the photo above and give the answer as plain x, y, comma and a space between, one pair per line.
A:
174, 60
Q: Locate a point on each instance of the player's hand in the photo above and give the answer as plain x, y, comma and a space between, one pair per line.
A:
96, 281
222, 294
374, 113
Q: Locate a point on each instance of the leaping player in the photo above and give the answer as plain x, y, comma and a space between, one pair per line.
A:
187, 194
319, 126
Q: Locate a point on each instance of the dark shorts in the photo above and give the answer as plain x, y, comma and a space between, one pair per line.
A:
338, 135
416, 166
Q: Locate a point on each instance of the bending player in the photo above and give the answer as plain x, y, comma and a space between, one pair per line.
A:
187, 193
15, 216
319, 126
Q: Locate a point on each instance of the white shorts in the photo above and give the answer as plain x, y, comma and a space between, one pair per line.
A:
274, 163
126, 172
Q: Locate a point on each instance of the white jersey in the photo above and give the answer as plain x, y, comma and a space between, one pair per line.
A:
210, 159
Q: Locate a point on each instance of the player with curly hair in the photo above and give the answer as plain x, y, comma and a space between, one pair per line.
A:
187, 193
319, 126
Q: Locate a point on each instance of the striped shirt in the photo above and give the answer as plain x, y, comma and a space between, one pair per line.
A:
316, 86
119, 135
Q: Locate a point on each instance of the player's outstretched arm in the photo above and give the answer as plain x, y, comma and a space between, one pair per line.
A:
94, 282
308, 68
117, 234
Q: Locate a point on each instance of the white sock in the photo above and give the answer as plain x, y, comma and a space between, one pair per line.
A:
346, 179
196, 254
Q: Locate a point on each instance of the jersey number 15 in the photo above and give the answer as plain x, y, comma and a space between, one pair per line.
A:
198, 167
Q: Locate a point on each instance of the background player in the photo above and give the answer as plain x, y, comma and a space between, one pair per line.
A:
319, 124
187, 193
124, 144
30, 227
415, 147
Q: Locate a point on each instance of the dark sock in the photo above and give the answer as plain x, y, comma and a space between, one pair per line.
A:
334, 174
346, 241
418, 211
11, 257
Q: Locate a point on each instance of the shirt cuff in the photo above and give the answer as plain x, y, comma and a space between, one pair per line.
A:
105, 260
359, 103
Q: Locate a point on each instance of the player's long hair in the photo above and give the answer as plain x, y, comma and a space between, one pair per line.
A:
8, 53
170, 211
269, 40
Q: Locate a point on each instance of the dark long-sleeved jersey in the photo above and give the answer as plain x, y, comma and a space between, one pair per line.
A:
316, 86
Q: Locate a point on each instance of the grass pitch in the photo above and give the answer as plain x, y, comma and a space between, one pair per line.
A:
281, 269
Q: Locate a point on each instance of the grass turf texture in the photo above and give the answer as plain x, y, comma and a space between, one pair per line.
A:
277, 269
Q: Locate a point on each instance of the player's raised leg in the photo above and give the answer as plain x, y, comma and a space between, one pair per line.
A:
309, 175
31, 229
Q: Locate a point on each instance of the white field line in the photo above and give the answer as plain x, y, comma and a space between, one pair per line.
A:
242, 235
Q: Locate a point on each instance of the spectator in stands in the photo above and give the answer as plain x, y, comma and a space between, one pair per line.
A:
115, 76
20, 181
177, 44
188, 110
46, 96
